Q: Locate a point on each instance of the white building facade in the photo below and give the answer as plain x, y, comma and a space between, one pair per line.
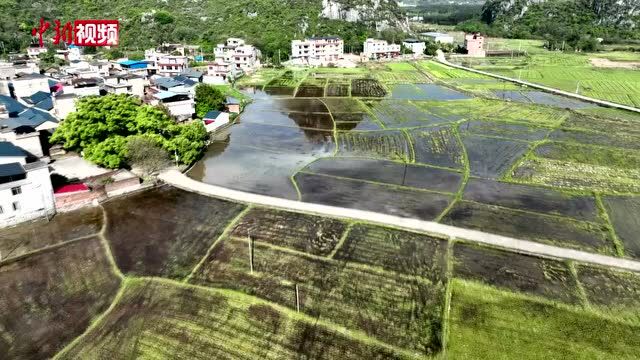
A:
238, 54
323, 49
438, 37
376, 49
416, 46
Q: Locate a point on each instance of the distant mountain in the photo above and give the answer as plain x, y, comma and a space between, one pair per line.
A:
270, 24
616, 13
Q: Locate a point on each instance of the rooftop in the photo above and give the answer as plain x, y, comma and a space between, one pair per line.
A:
11, 172
8, 149
212, 114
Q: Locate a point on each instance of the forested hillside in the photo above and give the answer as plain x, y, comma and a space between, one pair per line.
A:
270, 24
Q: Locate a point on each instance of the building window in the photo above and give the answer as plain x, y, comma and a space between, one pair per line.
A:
16, 206
16, 190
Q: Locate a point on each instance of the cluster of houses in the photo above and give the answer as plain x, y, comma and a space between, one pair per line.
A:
33, 102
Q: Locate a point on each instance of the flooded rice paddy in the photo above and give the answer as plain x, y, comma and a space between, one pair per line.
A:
432, 152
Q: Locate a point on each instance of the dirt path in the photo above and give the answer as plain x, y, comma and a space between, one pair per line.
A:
606, 63
180, 180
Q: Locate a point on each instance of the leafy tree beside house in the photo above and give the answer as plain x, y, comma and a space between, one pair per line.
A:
102, 128
208, 98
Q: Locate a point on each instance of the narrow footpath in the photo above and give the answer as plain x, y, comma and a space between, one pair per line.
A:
441, 58
180, 180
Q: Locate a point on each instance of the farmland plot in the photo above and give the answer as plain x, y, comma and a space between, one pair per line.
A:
490, 324
437, 146
398, 310
389, 172
286, 139
531, 226
312, 234
361, 195
367, 88
571, 175
402, 114
165, 232
506, 130
622, 126
338, 87
624, 212
547, 278
400, 77
524, 197
279, 90
348, 105
51, 297
392, 144
587, 154
593, 138
310, 91
491, 158
21, 239
394, 250
355, 121
157, 319
425, 92
614, 292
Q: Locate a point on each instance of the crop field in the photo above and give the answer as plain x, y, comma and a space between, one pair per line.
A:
367, 88
352, 296
274, 284
338, 88
425, 92
437, 146
491, 157
574, 73
388, 172
169, 240
357, 194
394, 114
391, 144
159, 319
409, 76
623, 212
64, 227
51, 297
588, 236
504, 130
310, 91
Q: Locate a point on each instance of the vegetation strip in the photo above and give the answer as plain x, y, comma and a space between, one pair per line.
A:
618, 245
180, 180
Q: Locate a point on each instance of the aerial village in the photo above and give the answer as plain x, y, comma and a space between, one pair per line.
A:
38, 179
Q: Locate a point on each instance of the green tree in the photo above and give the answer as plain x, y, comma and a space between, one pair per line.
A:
48, 57
146, 152
208, 98
110, 153
114, 54
188, 142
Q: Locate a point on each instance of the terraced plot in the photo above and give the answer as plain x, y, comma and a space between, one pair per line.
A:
623, 212
402, 114
388, 172
312, 234
531, 198
310, 91
596, 138
536, 227
613, 292
547, 278
334, 291
490, 324
392, 144
505, 130
361, 195
172, 230
587, 154
63, 227
367, 88
491, 158
437, 146
543, 98
169, 320
51, 297
395, 250
355, 121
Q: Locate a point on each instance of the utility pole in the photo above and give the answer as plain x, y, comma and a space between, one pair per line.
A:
297, 299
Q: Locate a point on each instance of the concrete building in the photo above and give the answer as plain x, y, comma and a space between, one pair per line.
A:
35, 51
100, 67
26, 84
125, 84
213, 120
171, 65
238, 55
25, 187
321, 49
474, 43
376, 49
64, 104
416, 46
232, 105
438, 37
180, 106
84, 87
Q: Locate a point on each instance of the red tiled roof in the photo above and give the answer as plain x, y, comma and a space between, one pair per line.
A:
69, 188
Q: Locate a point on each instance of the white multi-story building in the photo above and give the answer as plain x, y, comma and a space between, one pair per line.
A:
438, 37
238, 54
25, 188
323, 49
35, 51
180, 106
416, 46
376, 49
26, 84
125, 84
164, 64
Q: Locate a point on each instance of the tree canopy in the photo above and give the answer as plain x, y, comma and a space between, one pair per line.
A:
208, 98
102, 127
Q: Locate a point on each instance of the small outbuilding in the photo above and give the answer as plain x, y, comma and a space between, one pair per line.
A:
215, 119
232, 105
